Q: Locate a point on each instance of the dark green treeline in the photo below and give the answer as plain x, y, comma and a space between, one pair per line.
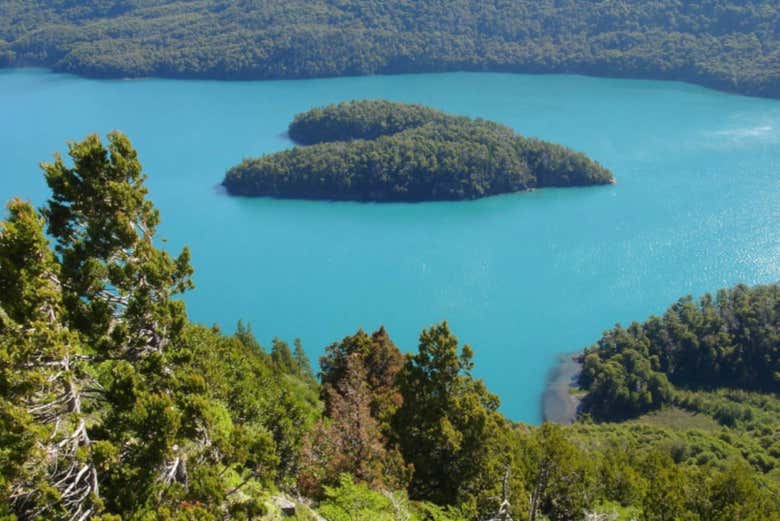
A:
726, 44
374, 150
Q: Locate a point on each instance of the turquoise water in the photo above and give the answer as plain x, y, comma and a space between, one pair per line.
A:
521, 278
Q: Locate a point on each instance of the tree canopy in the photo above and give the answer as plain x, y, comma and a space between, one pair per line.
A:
113, 403
382, 151
730, 340
726, 44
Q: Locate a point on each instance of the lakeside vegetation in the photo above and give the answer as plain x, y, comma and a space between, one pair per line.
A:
726, 44
709, 368
731, 340
114, 405
381, 151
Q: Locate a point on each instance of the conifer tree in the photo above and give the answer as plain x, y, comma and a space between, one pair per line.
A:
448, 427
302, 363
282, 357
350, 439
382, 362
558, 475
735, 494
103, 411
45, 386
117, 283
665, 498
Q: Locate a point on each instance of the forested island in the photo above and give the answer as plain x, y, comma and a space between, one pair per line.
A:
374, 150
114, 405
726, 44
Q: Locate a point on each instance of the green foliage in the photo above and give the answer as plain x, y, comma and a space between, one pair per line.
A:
382, 151
716, 353
448, 427
381, 360
350, 501
560, 475
726, 44
113, 404
355, 502
282, 357
360, 120
639, 471
735, 493
245, 335
666, 496
727, 341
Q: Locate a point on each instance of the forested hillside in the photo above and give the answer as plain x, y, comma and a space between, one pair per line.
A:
114, 406
711, 365
731, 340
727, 44
375, 150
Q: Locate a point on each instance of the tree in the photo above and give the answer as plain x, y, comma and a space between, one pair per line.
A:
117, 284
381, 360
383, 151
303, 364
735, 495
448, 426
247, 337
350, 440
558, 474
43, 381
282, 357
666, 497
727, 341
105, 406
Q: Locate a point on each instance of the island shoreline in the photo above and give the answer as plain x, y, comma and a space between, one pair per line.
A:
377, 150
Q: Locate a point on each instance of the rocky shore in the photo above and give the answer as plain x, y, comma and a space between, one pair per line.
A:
560, 403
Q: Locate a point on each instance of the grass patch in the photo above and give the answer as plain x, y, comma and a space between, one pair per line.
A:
678, 420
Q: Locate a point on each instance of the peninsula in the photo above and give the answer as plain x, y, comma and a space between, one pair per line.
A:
383, 151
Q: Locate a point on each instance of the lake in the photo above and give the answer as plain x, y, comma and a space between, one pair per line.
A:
522, 278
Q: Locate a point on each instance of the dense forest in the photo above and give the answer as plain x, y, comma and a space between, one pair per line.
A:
383, 151
713, 364
726, 44
730, 340
115, 406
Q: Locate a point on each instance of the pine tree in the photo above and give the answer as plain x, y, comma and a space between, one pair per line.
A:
282, 357
303, 364
448, 427
100, 408
350, 440
117, 284
43, 380
382, 361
